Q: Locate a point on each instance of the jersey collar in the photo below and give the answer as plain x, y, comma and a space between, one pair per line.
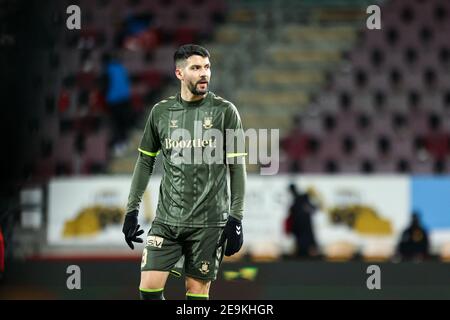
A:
193, 103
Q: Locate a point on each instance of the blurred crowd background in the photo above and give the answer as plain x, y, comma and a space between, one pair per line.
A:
347, 100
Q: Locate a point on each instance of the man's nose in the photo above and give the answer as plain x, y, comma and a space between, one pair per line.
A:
204, 73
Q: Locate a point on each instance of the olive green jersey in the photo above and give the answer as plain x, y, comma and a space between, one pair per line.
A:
194, 141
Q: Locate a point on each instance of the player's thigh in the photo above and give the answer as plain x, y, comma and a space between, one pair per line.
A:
162, 249
203, 256
197, 286
153, 279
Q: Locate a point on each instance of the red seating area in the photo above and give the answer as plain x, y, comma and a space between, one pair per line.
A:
77, 128
395, 86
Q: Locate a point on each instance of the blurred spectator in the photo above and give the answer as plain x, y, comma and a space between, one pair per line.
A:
63, 100
117, 91
137, 32
295, 144
437, 141
136, 23
414, 243
97, 103
299, 223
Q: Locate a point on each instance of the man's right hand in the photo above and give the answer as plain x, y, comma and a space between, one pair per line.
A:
131, 228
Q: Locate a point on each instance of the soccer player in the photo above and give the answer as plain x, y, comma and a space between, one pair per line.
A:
198, 219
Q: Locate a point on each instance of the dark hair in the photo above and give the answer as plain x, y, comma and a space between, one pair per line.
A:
293, 188
187, 50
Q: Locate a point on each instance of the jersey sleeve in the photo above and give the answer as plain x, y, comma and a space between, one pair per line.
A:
150, 142
234, 135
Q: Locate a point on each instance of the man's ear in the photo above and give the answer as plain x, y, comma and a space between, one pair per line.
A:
179, 73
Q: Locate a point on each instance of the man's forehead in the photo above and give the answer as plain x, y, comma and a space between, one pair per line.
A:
196, 59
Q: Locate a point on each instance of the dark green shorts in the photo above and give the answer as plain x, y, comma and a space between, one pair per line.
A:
192, 251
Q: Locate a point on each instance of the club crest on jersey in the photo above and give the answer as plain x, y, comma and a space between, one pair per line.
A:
204, 269
173, 124
207, 122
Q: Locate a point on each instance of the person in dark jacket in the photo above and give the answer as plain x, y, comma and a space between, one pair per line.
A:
414, 242
300, 223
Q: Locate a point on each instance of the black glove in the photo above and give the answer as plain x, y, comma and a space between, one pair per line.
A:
131, 229
234, 236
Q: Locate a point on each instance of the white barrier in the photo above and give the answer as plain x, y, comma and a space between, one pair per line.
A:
74, 216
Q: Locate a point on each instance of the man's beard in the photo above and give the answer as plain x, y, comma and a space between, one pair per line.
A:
193, 88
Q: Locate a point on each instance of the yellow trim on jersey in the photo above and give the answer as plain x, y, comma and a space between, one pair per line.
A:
151, 154
231, 155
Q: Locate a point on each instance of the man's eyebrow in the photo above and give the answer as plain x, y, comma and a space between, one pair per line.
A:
199, 65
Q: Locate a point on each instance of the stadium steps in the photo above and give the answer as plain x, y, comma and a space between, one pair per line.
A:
124, 164
266, 99
303, 56
319, 37
266, 121
270, 57
337, 15
283, 78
